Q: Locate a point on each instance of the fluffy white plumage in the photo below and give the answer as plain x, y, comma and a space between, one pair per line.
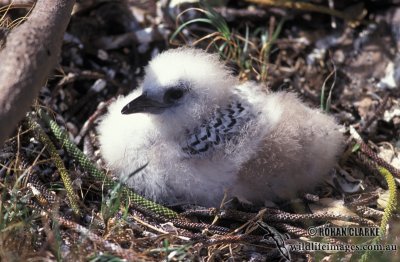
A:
200, 132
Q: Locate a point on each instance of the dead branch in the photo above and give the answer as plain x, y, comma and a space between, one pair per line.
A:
30, 53
17, 2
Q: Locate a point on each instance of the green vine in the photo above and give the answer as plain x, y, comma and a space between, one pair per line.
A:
42, 137
388, 212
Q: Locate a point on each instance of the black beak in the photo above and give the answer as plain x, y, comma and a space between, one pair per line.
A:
143, 104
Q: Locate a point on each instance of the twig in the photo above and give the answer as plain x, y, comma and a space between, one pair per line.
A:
368, 151
101, 108
306, 7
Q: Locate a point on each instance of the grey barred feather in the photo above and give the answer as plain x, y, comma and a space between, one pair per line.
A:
223, 126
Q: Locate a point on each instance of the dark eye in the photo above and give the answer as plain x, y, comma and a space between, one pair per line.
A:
173, 94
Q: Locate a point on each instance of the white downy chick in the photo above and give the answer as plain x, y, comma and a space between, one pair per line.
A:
199, 132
